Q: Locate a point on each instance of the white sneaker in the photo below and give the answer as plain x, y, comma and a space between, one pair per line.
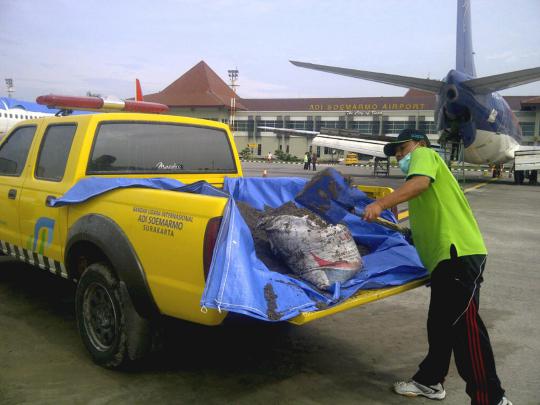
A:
504, 401
414, 389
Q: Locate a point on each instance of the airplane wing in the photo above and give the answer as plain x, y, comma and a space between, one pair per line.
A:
527, 158
363, 146
430, 85
372, 146
288, 131
346, 139
490, 84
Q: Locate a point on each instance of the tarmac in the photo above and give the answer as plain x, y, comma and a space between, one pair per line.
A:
349, 358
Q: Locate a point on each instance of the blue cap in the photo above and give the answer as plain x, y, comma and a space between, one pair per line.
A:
404, 136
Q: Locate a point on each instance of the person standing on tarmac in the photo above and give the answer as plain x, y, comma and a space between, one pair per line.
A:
452, 249
314, 161
306, 161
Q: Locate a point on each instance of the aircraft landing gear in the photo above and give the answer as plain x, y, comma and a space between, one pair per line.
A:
496, 171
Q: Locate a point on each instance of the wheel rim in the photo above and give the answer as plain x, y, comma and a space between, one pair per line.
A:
99, 316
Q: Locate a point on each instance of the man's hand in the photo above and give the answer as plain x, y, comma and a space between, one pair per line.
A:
372, 211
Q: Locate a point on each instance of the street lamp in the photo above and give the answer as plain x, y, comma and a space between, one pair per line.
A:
233, 76
9, 85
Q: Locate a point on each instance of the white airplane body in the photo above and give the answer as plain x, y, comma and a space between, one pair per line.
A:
13, 111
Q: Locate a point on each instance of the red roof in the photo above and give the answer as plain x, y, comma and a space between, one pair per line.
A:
418, 93
198, 87
531, 101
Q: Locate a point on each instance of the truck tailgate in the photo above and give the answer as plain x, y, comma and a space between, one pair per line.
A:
360, 298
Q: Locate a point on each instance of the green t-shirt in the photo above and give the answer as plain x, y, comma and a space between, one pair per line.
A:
441, 215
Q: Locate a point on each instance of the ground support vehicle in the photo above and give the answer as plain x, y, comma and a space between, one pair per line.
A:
136, 254
526, 166
351, 159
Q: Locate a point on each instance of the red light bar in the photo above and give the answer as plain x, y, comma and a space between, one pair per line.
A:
99, 104
54, 101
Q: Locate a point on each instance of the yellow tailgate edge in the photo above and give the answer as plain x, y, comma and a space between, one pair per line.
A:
360, 298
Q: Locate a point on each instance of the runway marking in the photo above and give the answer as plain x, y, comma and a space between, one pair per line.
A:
480, 185
404, 215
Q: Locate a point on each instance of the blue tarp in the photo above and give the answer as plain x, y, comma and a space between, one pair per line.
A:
94, 186
239, 282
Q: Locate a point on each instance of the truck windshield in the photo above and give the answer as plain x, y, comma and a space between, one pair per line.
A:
160, 148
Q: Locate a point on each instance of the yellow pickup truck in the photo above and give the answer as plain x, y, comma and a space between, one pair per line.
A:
114, 246
135, 253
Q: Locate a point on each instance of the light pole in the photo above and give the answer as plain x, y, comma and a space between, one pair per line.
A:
233, 76
10, 88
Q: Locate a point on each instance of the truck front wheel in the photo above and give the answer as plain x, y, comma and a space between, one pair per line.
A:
110, 328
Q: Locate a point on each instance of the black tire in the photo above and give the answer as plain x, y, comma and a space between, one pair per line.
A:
110, 328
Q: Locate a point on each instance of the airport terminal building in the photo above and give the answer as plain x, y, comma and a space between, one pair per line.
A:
201, 93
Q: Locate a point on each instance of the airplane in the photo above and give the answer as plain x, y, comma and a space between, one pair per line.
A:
468, 108
13, 111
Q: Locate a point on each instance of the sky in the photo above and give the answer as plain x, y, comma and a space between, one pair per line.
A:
72, 47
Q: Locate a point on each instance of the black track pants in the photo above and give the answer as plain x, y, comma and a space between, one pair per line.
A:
455, 325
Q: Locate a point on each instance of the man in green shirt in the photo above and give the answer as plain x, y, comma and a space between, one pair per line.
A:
451, 247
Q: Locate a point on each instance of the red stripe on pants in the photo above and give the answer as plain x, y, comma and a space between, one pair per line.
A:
476, 355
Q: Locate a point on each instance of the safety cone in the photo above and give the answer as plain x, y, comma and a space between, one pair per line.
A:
265, 173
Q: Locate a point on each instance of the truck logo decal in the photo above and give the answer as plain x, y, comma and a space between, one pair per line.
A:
43, 234
161, 222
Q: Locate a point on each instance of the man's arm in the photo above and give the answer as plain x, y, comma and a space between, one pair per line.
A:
413, 187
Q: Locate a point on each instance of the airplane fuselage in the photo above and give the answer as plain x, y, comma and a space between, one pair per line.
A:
484, 122
14, 111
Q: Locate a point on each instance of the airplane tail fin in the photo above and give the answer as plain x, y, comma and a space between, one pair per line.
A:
464, 51
138, 91
490, 84
430, 85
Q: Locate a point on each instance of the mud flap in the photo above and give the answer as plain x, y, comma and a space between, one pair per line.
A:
138, 329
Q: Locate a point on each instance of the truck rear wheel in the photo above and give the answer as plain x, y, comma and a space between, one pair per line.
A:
110, 328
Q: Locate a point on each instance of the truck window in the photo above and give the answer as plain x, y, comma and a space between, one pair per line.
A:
54, 152
14, 151
159, 148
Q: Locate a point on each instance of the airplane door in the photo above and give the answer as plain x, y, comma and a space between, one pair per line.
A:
13, 172
43, 228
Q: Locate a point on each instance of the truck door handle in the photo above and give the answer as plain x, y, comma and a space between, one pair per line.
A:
12, 194
49, 199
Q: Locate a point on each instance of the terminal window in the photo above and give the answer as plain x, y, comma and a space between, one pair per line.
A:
362, 126
394, 127
527, 128
297, 124
428, 126
268, 123
240, 126
332, 124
